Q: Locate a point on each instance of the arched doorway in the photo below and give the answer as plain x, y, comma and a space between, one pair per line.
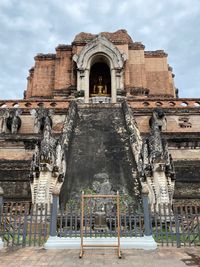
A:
100, 80
100, 50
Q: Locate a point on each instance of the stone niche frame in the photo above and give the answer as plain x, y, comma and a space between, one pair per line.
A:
100, 47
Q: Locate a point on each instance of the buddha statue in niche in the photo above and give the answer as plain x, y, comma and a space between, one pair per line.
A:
100, 88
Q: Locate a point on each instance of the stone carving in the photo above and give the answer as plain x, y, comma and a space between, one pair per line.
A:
10, 120
48, 143
156, 164
4, 114
69, 125
41, 115
44, 170
135, 137
100, 45
184, 122
158, 118
48, 164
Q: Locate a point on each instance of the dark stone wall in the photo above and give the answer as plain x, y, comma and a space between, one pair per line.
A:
14, 179
187, 185
100, 148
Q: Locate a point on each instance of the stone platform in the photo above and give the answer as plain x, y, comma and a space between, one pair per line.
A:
146, 242
165, 257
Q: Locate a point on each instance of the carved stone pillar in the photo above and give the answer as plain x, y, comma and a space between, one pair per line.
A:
113, 86
78, 81
86, 86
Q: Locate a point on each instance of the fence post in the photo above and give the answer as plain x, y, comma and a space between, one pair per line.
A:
178, 240
54, 213
145, 201
24, 235
1, 215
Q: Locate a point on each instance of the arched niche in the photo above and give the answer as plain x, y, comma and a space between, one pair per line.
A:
100, 50
100, 70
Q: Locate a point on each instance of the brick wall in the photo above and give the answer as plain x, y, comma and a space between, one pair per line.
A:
146, 69
63, 69
43, 77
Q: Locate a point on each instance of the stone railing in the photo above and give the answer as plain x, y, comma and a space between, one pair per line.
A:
29, 104
165, 103
135, 103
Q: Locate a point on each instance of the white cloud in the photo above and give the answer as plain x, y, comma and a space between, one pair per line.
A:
30, 27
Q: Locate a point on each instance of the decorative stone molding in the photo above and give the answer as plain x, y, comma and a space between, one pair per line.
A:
119, 37
45, 56
136, 46
99, 45
63, 47
160, 96
157, 53
184, 122
138, 91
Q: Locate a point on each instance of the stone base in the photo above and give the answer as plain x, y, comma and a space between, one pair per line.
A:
1, 243
146, 242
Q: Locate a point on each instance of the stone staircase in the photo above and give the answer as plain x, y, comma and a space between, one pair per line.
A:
42, 187
161, 187
100, 149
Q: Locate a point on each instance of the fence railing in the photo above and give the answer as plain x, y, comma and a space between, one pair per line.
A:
26, 224
176, 225
69, 224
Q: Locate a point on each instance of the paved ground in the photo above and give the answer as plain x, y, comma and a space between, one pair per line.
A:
162, 257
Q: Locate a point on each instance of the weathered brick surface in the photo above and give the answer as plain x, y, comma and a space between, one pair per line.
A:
63, 70
54, 72
44, 76
14, 179
158, 82
174, 123
15, 154
58, 122
185, 154
28, 124
120, 36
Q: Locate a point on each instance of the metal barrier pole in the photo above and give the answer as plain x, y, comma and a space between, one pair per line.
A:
1, 215
145, 201
118, 224
176, 217
82, 218
54, 213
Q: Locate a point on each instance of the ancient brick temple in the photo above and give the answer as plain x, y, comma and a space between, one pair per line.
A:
101, 113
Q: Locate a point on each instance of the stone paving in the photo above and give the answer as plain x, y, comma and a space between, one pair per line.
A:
162, 257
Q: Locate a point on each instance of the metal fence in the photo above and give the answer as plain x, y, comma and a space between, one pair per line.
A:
176, 225
25, 224
98, 224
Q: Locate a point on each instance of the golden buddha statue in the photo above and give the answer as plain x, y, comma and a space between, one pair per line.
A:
100, 88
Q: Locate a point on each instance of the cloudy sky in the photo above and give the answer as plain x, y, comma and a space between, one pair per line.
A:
28, 27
